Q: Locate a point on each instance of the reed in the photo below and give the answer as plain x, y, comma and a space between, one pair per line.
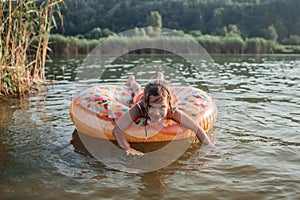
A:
72, 46
212, 43
260, 45
233, 45
25, 30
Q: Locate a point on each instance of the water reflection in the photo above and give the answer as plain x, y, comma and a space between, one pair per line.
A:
6, 113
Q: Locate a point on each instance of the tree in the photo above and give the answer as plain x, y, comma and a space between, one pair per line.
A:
271, 33
96, 33
292, 40
232, 31
154, 19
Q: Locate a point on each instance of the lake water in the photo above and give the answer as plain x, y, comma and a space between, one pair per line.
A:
41, 157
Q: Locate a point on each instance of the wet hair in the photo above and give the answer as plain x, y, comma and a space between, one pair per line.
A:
159, 88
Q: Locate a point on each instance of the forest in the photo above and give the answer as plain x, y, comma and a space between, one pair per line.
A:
252, 18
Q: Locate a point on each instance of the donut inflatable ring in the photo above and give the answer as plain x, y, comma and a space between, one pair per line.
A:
95, 111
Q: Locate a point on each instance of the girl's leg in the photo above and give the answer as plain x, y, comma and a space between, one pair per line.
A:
136, 88
160, 76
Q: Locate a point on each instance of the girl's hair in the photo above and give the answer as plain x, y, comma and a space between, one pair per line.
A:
159, 88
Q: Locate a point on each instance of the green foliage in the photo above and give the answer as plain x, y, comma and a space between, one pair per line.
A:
233, 45
154, 19
195, 33
212, 44
232, 31
296, 49
57, 43
291, 40
218, 44
271, 33
71, 46
207, 16
260, 45
98, 33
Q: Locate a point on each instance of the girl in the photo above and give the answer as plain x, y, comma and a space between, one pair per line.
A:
156, 104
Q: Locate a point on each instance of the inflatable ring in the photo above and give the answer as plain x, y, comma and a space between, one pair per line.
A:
96, 110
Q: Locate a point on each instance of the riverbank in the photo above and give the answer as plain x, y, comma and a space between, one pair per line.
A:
70, 45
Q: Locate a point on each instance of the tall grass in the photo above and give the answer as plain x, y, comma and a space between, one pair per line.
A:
260, 45
24, 32
70, 46
233, 45
212, 43
237, 45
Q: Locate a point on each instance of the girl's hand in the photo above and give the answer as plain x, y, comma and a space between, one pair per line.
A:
133, 152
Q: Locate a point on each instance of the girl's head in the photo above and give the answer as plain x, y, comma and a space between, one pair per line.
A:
158, 99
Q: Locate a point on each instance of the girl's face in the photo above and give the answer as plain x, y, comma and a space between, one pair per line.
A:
158, 108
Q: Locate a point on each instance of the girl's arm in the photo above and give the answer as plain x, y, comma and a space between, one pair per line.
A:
189, 123
123, 123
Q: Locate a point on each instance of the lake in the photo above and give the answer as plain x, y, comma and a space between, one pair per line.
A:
258, 129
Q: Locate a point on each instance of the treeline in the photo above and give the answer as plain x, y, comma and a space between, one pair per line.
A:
252, 18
